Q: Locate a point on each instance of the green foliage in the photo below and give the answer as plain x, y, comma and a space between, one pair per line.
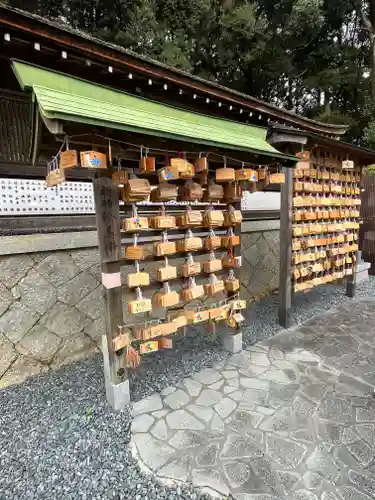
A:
369, 135
309, 56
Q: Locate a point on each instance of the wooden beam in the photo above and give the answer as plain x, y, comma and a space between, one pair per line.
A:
286, 215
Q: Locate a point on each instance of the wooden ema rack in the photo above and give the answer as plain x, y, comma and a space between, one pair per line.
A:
320, 220
194, 248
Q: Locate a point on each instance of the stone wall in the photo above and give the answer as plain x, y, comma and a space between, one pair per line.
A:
51, 304
51, 311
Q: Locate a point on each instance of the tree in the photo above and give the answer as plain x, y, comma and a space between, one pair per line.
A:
309, 56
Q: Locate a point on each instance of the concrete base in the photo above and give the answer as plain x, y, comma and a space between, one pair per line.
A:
232, 343
118, 395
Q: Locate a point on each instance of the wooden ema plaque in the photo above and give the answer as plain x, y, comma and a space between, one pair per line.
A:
231, 241
201, 164
190, 244
212, 266
120, 177
93, 159
192, 218
166, 273
134, 224
233, 218
213, 218
225, 175
192, 293
150, 346
55, 177
165, 248
212, 243
187, 270
163, 222
139, 306
232, 285
147, 165
246, 174
214, 288
135, 252
138, 279
68, 159
166, 299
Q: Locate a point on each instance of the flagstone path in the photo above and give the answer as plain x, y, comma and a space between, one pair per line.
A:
290, 418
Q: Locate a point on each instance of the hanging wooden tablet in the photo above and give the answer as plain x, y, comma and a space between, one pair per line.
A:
55, 177
232, 217
93, 159
212, 265
164, 192
192, 291
140, 305
163, 221
165, 247
135, 223
246, 174
214, 192
135, 251
214, 286
232, 284
191, 218
232, 192
123, 338
191, 191
137, 190
120, 177
165, 343
167, 272
201, 164
278, 178
225, 175
189, 243
263, 176
150, 346
138, 279
166, 297
168, 174
213, 218
68, 159
212, 242
229, 260
186, 170
231, 240
190, 268
147, 164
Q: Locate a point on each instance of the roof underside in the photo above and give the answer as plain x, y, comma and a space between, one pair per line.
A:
61, 97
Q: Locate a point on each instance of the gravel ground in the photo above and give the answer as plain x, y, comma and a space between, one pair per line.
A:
60, 440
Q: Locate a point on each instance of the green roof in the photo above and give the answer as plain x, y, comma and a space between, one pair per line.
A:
67, 98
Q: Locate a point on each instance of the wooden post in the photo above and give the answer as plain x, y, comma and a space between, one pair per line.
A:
232, 340
286, 217
109, 236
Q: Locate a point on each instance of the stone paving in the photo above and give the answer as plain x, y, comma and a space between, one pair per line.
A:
290, 418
